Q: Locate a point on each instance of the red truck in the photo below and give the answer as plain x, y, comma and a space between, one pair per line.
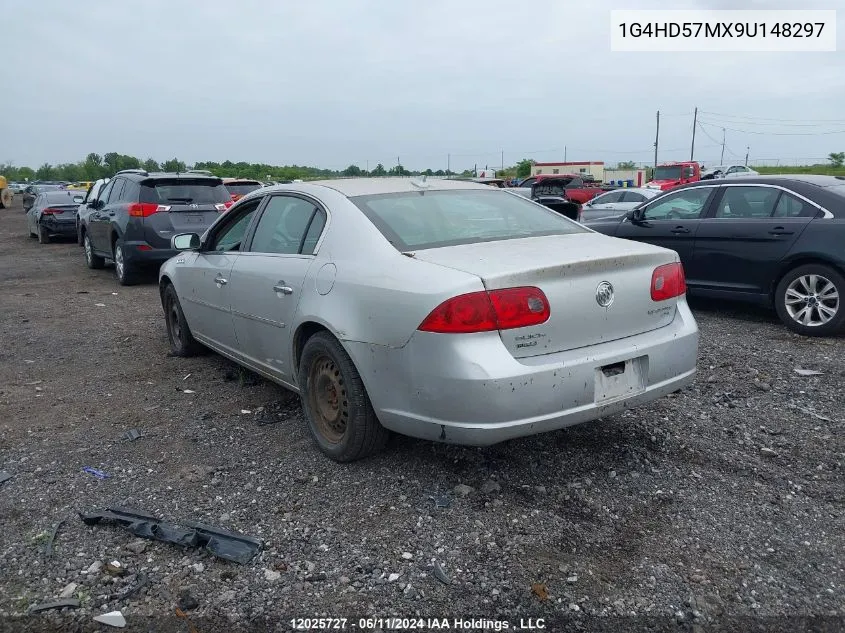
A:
671, 175
569, 186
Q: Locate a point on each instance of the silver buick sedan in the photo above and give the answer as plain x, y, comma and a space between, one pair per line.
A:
445, 310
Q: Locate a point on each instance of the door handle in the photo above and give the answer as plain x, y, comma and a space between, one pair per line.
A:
220, 280
282, 288
680, 229
779, 230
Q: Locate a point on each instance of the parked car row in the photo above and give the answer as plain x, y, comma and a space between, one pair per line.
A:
445, 310
774, 240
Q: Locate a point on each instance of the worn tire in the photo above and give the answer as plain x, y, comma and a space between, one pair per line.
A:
125, 273
91, 258
836, 324
6, 198
182, 342
325, 366
43, 235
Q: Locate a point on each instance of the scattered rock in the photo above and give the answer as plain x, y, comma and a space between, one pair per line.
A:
187, 602
407, 555
490, 486
69, 590
393, 577
138, 546
198, 567
768, 452
271, 576
94, 568
462, 490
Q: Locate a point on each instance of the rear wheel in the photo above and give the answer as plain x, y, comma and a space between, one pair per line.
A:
809, 300
6, 197
337, 408
124, 271
182, 342
43, 235
91, 258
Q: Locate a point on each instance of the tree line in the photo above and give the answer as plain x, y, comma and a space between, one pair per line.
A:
95, 166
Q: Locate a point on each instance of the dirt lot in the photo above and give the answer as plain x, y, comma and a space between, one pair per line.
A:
720, 505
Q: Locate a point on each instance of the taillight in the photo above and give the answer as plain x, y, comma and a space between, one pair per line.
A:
668, 281
144, 210
49, 211
487, 311
223, 206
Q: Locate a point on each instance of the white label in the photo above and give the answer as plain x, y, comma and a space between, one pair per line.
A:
723, 31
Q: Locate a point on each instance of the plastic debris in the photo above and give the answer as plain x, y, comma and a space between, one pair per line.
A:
66, 603
245, 411
188, 376
114, 568
99, 474
100, 305
224, 544
112, 618
132, 434
441, 500
441, 574
188, 391
69, 590
808, 372
143, 581
4, 476
48, 546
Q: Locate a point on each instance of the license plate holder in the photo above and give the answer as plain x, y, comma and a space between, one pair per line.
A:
621, 379
194, 218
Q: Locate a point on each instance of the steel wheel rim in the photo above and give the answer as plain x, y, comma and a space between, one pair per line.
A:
118, 261
812, 300
328, 399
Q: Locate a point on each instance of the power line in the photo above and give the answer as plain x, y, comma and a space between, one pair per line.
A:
775, 133
760, 118
782, 124
707, 134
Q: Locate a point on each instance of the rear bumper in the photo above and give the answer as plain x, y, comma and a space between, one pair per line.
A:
468, 389
143, 254
59, 228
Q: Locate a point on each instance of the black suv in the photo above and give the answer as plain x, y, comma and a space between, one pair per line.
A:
137, 213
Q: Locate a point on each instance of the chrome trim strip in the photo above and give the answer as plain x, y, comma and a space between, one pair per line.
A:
259, 319
827, 214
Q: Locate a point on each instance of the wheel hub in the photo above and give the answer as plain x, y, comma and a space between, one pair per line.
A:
327, 394
812, 300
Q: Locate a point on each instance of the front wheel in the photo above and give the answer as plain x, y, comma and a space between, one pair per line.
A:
337, 408
91, 258
808, 300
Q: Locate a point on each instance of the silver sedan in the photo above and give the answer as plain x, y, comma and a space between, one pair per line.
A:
615, 204
444, 310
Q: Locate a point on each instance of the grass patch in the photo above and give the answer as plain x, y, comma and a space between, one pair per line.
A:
824, 170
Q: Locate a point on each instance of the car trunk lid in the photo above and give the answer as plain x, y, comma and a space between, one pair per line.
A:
182, 205
569, 269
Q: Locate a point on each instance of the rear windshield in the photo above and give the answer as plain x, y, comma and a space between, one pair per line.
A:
62, 197
184, 191
242, 188
43, 188
430, 219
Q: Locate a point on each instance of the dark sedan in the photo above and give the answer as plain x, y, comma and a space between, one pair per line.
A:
53, 213
775, 240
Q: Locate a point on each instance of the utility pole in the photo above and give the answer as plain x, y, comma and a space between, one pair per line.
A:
656, 139
503, 160
448, 164
747, 152
368, 168
564, 153
398, 166
694, 123
722, 159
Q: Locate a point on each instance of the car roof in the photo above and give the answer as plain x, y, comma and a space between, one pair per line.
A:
229, 181
352, 187
155, 175
61, 194
641, 190
775, 179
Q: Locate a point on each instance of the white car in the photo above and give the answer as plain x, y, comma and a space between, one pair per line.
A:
727, 171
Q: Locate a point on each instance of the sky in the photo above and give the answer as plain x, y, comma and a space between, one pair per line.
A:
331, 83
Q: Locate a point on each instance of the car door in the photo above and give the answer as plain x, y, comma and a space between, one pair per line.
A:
670, 221
267, 281
750, 229
205, 288
98, 219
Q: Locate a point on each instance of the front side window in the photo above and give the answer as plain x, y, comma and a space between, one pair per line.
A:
608, 198
285, 225
231, 235
431, 219
106, 191
681, 205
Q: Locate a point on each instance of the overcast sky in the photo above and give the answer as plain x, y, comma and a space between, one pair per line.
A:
334, 82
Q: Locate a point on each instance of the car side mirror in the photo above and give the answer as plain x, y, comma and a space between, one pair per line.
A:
185, 242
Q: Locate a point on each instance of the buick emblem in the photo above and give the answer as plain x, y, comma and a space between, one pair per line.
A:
195, 206
604, 294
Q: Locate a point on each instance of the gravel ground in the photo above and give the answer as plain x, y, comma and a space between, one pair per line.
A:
719, 506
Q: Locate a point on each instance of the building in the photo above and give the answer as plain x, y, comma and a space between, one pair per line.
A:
591, 168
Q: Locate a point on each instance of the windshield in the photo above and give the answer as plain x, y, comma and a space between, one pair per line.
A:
672, 172
43, 188
242, 188
431, 219
184, 191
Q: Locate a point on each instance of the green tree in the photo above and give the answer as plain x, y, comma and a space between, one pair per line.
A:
440, 172
152, 165
352, 170
628, 164
523, 168
45, 172
379, 171
173, 165
26, 173
837, 159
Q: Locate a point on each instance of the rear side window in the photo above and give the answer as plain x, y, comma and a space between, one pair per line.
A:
790, 207
285, 226
431, 219
183, 191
